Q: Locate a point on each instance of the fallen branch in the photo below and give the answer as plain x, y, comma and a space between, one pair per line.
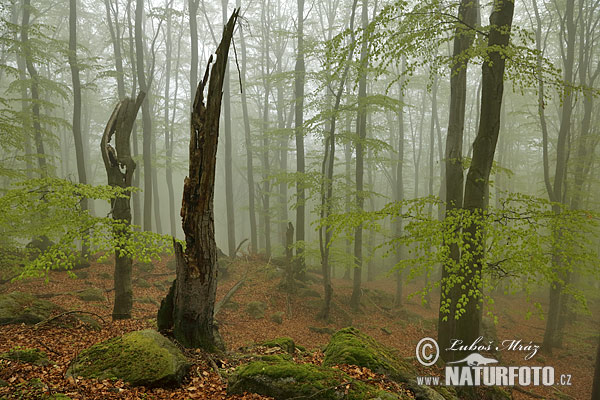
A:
228, 296
239, 246
67, 313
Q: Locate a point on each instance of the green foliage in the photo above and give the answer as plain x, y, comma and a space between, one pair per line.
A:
520, 239
51, 207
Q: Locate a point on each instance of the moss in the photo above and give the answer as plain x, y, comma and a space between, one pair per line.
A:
309, 293
23, 354
350, 346
325, 330
284, 343
91, 294
145, 267
18, 307
146, 300
285, 379
277, 317
140, 358
256, 309
140, 282
104, 275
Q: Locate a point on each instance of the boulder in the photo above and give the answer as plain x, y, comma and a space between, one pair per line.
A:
142, 358
284, 343
277, 317
91, 294
281, 378
256, 309
350, 346
30, 356
18, 307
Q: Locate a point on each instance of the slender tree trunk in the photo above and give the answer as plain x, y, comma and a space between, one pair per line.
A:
463, 40
137, 207
361, 133
34, 88
228, 154
115, 35
189, 307
193, 10
477, 184
116, 160
146, 115
77, 137
248, 143
266, 184
299, 74
399, 188
553, 334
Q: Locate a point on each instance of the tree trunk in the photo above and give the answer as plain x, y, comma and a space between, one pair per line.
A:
116, 160
77, 137
35, 93
248, 143
596, 380
463, 40
137, 207
399, 188
477, 184
190, 306
228, 157
361, 132
115, 36
146, 116
299, 74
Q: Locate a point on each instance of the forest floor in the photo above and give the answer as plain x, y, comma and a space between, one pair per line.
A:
399, 329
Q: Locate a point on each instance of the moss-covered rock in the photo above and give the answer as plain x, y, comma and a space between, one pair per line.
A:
145, 267
307, 292
18, 307
284, 343
283, 379
141, 358
277, 317
350, 346
105, 276
142, 283
91, 294
30, 356
256, 309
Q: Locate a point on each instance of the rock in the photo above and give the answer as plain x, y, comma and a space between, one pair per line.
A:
91, 294
105, 275
30, 356
18, 307
277, 317
284, 343
142, 358
82, 275
146, 300
386, 330
349, 346
256, 309
142, 283
325, 330
281, 378
38, 245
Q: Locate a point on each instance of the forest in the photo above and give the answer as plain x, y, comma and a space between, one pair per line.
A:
337, 199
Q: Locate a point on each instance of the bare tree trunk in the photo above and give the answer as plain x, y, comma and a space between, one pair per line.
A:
115, 35
116, 160
34, 88
189, 307
463, 40
146, 116
266, 184
399, 187
476, 188
137, 207
299, 74
361, 132
248, 143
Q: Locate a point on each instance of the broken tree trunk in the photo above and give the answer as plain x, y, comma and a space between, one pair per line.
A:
189, 307
119, 168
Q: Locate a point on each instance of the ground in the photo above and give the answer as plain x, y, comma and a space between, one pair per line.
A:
400, 330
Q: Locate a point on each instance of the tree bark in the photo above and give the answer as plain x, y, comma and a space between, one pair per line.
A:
116, 160
361, 132
477, 184
34, 88
146, 116
192, 300
248, 143
463, 40
299, 73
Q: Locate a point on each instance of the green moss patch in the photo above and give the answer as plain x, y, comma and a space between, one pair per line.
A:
256, 309
350, 346
283, 379
18, 307
141, 358
284, 343
30, 356
91, 294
